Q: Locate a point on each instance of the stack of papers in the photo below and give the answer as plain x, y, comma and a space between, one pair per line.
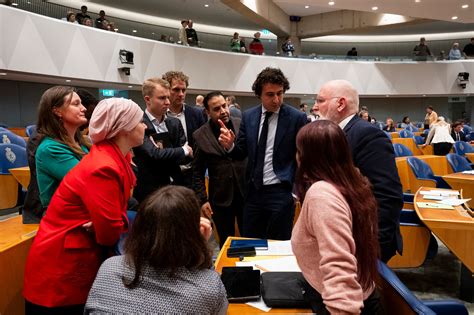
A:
279, 248
444, 199
434, 205
468, 172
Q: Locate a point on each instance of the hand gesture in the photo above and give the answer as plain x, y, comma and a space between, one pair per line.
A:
205, 228
206, 210
227, 136
189, 149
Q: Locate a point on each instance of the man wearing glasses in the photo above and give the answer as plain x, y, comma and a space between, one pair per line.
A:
373, 154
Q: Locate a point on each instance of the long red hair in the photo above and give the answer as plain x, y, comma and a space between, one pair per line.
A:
324, 154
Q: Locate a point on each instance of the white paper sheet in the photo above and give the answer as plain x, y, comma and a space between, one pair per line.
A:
439, 192
279, 248
260, 305
453, 202
468, 172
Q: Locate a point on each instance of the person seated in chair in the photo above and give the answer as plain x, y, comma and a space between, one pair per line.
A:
457, 131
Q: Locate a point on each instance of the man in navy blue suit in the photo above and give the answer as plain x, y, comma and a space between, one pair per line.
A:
267, 136
191, 117
373, 154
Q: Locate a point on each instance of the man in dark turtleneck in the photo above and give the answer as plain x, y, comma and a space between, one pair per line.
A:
226, 176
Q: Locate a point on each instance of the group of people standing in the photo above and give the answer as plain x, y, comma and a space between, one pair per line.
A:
187, 35
252, 164
84, 18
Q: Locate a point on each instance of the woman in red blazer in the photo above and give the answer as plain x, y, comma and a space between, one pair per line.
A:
86, 215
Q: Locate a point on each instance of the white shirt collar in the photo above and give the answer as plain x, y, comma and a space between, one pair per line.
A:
345, 121
152, 118
264, 110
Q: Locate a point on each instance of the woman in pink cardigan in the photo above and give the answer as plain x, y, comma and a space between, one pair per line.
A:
335, 238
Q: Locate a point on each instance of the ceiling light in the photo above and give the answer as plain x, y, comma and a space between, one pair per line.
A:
14, 4
454, 18
116, 29
130, 86
68, 80
417, 1
134, 31
3, 73
375, 8
306, 6
331, 3
206, 5
465, 6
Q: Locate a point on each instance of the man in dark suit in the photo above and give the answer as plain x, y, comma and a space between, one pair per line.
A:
164, 147
226, 175
191, 117
267, 136
373, 154
457, 132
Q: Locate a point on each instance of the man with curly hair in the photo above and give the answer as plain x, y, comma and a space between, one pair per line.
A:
267, 136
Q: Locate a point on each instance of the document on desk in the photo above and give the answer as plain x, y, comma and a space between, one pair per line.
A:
453, 202
433, 205
278, 248
468, 172
283, 264
439, 192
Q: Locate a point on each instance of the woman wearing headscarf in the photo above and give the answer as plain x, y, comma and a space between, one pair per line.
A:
86, 215
440, 137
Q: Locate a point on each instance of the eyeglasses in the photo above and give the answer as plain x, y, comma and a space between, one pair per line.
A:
322, 100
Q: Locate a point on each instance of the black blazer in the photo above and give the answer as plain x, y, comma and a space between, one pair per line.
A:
194, 119
462, 136
290, 121
373, 154
156, 166
226, 175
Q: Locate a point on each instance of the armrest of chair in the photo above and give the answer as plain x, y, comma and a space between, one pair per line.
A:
441, 183
447, 307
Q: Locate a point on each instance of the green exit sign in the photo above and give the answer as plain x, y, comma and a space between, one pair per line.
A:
108, 93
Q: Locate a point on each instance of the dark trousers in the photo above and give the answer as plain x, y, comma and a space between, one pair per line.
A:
372, 305
224, 218
269, 212
34, 309
442, 148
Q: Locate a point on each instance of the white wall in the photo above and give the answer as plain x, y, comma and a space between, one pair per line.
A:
46, 46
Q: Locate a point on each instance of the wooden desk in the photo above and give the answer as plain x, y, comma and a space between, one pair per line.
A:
462, 181
15, 241
438, 164
470, 157
241, 308
22, 175
455, 228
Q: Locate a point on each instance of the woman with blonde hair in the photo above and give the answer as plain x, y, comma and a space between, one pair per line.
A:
440, 137
86, 215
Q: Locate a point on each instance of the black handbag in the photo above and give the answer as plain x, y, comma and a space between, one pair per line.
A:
283, 289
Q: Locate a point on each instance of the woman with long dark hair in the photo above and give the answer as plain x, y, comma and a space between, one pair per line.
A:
166, 266
335, 237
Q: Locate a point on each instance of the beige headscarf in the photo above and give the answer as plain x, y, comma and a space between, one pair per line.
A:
113, 115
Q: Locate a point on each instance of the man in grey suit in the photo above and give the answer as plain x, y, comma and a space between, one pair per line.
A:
164, 147
226, 175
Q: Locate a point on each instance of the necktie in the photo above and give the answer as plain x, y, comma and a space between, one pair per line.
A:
458, 137
262, 144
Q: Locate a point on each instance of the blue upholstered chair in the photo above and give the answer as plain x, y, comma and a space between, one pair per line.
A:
467, 129
30, 130
405, 133
461, 148
401, 150
411, 128
458, 163
10, 137
426, 131
423, 171
389, 135
398, 298
119, 250
11, 156
419, 124
419, 140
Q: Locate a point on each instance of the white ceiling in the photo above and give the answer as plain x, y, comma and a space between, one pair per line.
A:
442, 10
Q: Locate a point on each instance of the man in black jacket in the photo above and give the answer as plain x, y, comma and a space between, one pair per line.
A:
373, 154
164, 147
